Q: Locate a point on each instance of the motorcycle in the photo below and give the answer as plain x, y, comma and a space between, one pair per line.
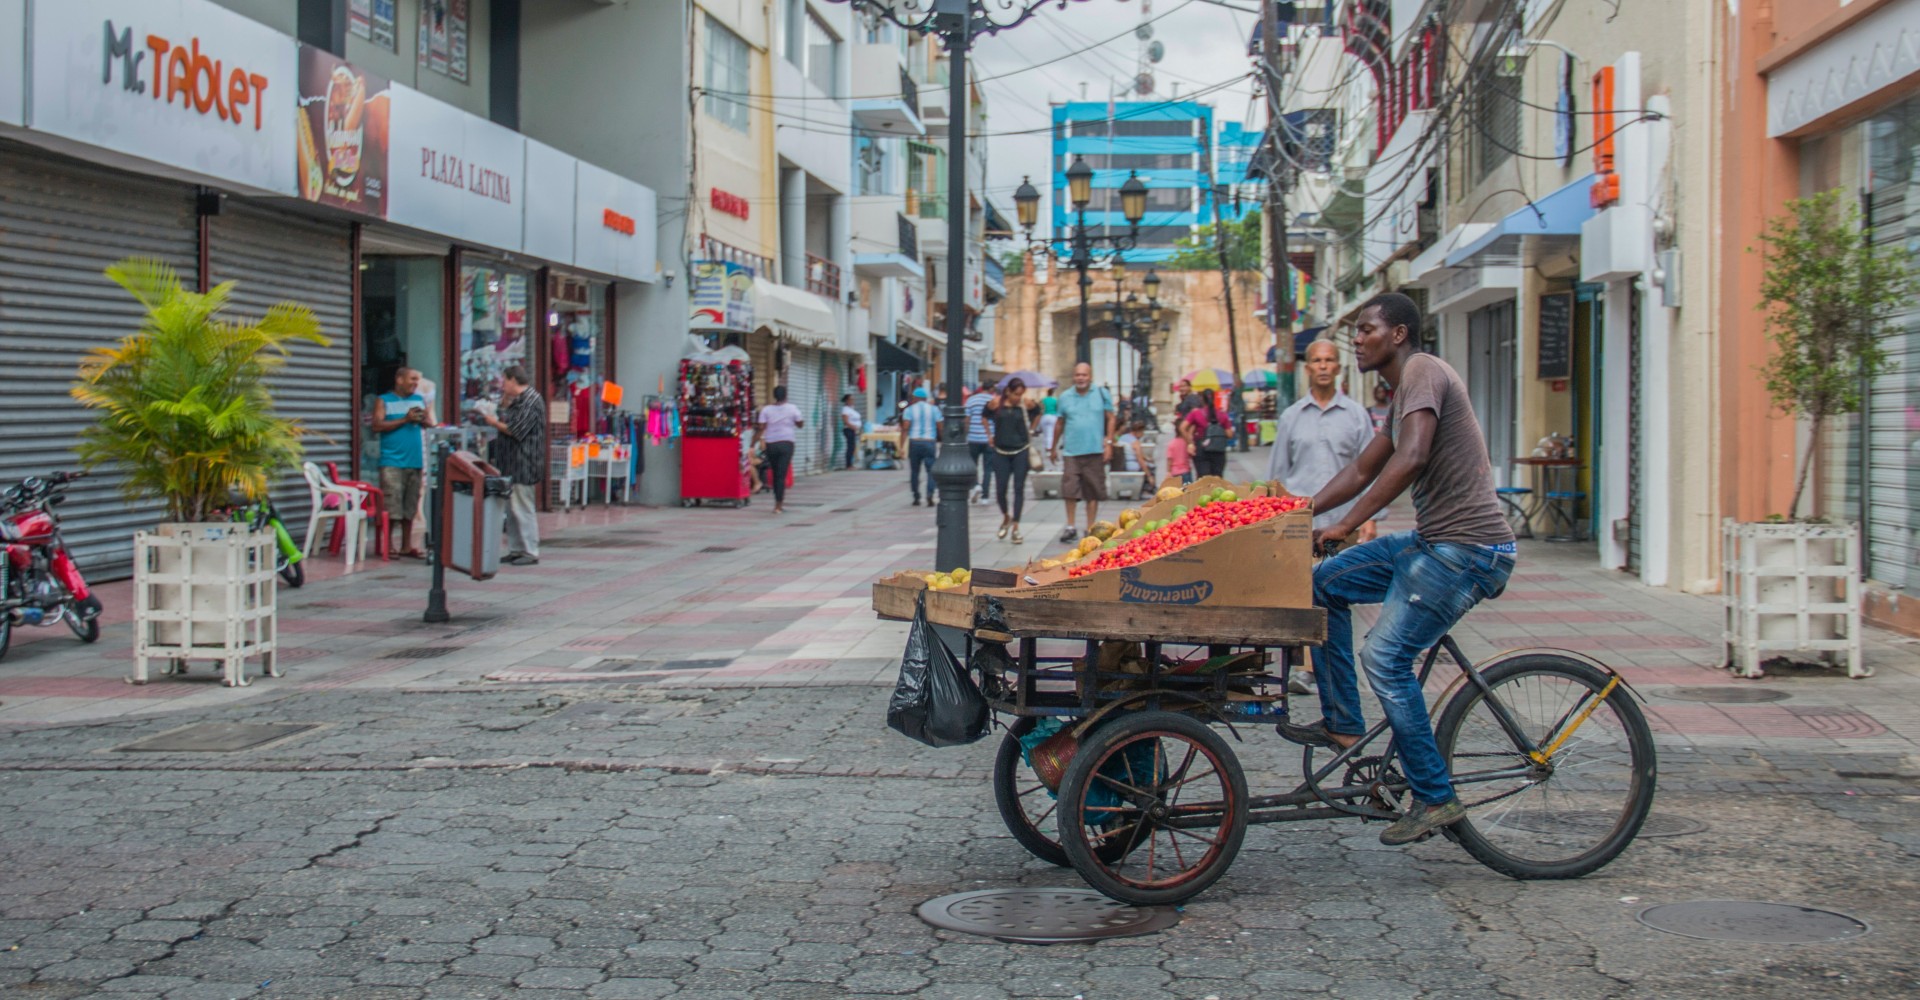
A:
262, 515
39, 584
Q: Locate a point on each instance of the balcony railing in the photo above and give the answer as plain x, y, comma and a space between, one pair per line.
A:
909, 237
909, 91
712, 249
926, 204
823, 277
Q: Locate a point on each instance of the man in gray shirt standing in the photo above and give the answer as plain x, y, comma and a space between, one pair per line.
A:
1314, 439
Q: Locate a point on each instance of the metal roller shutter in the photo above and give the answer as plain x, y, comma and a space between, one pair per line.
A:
832, 446
1889, 469
803, 391
62, 222
275, 257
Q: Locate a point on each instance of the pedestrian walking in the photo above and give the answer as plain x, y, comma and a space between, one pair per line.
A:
850, 426
919, 441
979, 439
1179, 454
1460, 552
1014, 418
1210, 434
1379, 410
1316, 437
520, 453
401, 423
1084, 434
777, 426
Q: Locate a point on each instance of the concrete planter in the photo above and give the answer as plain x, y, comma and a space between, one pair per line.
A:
1791, 588
204, 592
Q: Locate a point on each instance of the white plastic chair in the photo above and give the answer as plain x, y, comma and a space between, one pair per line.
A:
351, 508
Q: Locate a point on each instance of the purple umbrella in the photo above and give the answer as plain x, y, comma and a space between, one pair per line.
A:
1032, 380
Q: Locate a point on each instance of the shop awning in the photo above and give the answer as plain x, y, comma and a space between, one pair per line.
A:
1305, 337
888, 357
1558, 214
794, 314
914, 331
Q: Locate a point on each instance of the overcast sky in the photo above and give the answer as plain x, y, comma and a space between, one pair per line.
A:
1205, 45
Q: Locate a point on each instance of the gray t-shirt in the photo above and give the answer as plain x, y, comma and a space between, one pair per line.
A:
1453, 499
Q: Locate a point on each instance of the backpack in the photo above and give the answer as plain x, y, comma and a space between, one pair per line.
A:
1216, 438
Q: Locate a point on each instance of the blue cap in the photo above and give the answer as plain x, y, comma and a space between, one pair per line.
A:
920, 392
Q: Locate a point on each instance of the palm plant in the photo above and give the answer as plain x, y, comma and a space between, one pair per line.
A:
186, 413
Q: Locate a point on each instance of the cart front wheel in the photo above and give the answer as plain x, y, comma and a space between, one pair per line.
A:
1159, 803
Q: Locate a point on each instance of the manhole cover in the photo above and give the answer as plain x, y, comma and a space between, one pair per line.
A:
1751, 921
420, 652
217, 737
1725, 694
1044, 916
1594, 822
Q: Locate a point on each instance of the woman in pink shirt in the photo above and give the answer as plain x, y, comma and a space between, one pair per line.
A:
1179, 459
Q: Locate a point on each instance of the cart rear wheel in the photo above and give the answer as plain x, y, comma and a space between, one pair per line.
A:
1170, 803
1582, 807
1029, 811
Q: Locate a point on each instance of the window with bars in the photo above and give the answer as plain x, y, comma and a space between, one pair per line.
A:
727, 75
1496, 122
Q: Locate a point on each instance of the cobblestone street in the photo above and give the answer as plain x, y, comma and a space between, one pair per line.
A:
656, 765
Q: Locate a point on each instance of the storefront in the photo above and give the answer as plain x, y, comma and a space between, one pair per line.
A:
484, 250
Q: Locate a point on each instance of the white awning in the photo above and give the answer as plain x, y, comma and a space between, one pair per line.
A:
914, 331
793, 313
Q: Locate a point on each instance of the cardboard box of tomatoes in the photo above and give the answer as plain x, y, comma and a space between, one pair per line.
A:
1209, 543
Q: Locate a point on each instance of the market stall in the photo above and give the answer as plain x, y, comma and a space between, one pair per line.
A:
716, 417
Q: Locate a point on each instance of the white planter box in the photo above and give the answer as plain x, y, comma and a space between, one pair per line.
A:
1792, 588
204, 592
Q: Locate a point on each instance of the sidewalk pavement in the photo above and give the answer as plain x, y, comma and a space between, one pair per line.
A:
718, 598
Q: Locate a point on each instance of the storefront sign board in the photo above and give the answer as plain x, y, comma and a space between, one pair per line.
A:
182, 83
13, 62
342, 133
613, 225
454, 173
550, 210
722, 296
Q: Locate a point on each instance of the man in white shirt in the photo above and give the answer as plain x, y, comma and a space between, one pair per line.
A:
850, 426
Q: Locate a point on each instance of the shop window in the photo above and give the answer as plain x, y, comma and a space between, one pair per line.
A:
576, 340
727, 75
493, 301
401, 303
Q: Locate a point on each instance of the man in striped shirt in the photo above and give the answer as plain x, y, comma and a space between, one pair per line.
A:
977, 442
520, 453
919, 439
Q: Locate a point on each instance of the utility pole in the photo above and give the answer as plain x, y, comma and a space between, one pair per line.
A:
1279, 297
1235, 402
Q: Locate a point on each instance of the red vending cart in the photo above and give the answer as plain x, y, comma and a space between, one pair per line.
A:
716, 417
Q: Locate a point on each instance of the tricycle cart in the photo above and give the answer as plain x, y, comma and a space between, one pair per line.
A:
1113, 764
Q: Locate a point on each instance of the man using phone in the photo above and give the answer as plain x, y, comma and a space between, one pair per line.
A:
400, 419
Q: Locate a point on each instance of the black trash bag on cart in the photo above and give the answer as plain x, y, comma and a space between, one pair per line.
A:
935, 702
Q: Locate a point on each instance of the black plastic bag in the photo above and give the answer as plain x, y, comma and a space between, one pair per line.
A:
935, 702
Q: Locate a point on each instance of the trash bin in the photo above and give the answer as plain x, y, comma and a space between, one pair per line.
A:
493, 509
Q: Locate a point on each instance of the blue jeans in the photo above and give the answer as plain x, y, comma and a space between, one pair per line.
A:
1423, 589
921, 453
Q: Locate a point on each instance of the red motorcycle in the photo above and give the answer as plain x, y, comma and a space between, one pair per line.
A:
39, 584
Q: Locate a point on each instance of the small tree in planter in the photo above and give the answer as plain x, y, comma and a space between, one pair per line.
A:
186, 417
1829, 298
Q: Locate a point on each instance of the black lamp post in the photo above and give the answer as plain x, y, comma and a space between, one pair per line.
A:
1132, 322
957, 23
1082, 247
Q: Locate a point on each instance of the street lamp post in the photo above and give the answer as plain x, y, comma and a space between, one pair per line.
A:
1082, 247
1133, 321
956, 23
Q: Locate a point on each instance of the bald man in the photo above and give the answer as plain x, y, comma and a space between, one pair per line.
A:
1316, 438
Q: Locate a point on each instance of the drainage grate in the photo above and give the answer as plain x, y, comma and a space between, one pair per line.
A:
1725, 694
1044, 916
717, 548
1594, 822
1752, 921
217, 737
420, 652
846, 510
691, 665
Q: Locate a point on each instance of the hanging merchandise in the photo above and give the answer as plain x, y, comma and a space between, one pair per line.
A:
714, 413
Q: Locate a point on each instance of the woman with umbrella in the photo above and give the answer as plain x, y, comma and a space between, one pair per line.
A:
1011, 419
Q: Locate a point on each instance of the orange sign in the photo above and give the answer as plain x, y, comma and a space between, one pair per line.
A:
1606, 183
200, 82
618, 223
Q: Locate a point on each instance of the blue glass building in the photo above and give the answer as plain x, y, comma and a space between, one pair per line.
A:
1175, 149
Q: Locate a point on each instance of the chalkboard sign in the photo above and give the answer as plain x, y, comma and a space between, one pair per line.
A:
1556, 336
